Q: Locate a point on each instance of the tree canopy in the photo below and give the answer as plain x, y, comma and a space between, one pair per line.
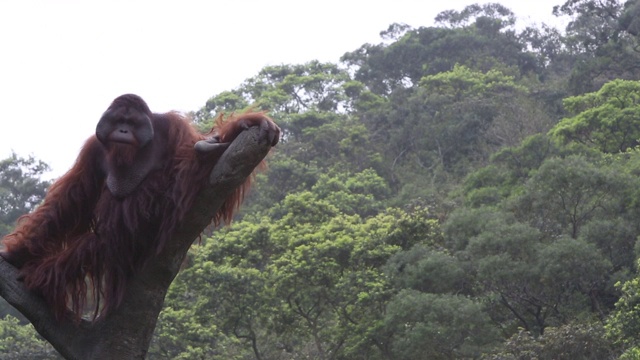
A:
465, 190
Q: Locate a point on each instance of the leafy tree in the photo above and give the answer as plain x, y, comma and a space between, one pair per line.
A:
478, 37
180, 336
531, 283
624, 323
21, 188
465, 223
594, 22
499, 14
306, 280
601, 36
310, 103
437, 326
616, 238
606, 119
572, 341
332, 141
565, 194
284, 90
19, 341
525, 158
464, 104
445, 126
428, 270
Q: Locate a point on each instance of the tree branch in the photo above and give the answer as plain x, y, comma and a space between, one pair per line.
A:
126, 332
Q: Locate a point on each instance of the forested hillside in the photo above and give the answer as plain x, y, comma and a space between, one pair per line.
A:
468, 190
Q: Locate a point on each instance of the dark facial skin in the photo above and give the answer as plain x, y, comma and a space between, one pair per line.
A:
127, 121
127, 134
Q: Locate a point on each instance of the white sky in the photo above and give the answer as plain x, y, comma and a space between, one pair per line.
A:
63, 61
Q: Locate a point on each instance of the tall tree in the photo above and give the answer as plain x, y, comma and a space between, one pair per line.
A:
601, 35
480, 37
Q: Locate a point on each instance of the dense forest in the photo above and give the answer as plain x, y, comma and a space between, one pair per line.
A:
469, 190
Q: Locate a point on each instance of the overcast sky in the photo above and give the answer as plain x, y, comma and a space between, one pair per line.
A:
62, 62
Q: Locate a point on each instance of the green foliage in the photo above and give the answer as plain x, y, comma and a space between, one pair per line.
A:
531, 279
428, 270
602, 37
566, 193
615, 237
578, 238
478, 37
425, 202
307, 280
466, 223
363, 100
180, 336
496, 12
21, 189
450, 123
630, 354
340, 258
527, 157
330, 140
487, 186
436, 326
624, 324
19, 341
573, 341
283, 90
573, 265
460, 107
607, 119
361, 193
461, 82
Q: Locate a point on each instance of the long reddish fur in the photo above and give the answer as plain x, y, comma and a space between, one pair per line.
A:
81, 241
